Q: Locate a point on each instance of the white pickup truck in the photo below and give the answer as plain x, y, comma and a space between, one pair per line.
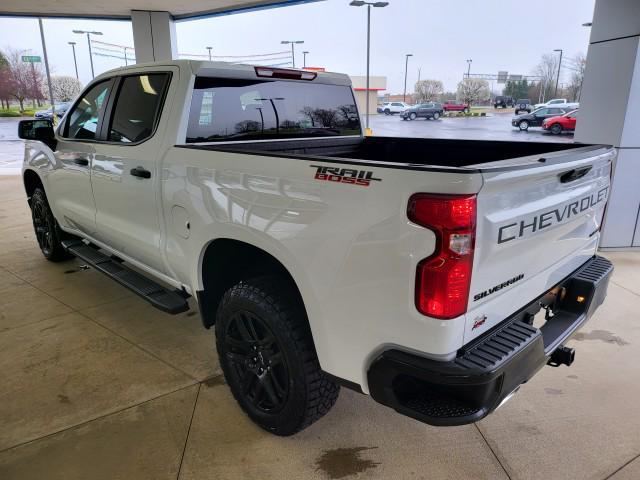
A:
557, 102
435, 275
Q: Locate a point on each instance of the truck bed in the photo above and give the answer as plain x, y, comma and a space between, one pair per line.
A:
412, 152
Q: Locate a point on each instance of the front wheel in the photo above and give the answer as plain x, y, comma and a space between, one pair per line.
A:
48, 233
387, 112
523, 125
413, 116
268, 358
556, 129
466, 110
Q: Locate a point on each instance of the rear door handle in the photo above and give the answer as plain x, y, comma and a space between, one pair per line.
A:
140, 172
81, 161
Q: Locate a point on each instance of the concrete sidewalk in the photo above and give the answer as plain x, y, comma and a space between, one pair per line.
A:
96, 384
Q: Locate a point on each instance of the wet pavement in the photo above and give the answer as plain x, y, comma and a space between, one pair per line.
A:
495, 126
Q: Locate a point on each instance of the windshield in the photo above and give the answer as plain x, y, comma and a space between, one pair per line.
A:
233, 109
523, 100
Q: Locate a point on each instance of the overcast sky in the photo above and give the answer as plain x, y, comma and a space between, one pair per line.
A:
441, 35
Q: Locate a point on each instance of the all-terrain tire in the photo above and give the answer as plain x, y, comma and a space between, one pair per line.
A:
48, 232
273, 373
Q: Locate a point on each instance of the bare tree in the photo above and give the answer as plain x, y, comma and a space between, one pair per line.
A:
428, 90
577, 66
472, 90
65, 88
547, 70
5, 81
25, 79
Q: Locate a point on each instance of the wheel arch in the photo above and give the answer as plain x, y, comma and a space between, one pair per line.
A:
31, 181
225, 262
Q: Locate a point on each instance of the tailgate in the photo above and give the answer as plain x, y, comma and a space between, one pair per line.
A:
537, 221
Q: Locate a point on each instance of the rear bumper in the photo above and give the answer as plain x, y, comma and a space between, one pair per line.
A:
486, 371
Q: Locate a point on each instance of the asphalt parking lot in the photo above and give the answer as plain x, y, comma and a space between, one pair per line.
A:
495, 126
11, 147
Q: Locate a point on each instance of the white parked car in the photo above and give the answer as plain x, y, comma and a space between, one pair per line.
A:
409, 269
391, 108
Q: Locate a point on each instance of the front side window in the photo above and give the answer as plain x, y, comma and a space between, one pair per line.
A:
137, 107
83, 119
235, 109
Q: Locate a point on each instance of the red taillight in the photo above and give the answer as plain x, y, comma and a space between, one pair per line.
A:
443, 279
286, 73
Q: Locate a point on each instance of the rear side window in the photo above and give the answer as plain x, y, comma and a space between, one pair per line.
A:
137, 107
83, 119
236, 109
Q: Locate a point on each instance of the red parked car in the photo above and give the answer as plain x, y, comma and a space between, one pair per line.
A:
564, 123
455, 106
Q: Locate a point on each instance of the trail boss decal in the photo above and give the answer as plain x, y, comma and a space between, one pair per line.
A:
498, 287
511, 231
345, 175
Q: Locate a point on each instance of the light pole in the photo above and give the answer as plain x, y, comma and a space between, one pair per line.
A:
293, 53
559, 67
469, 62
75, 62
304, 59
209, 48
360, 3
406, 66
89, 33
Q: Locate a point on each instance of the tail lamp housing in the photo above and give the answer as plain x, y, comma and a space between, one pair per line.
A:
444, 278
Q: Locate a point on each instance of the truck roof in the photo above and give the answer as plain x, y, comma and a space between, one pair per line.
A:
224, 69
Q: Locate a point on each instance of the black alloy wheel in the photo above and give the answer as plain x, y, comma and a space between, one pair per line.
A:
258, 363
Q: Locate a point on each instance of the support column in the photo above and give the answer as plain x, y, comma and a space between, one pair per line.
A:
154, 36
610, 112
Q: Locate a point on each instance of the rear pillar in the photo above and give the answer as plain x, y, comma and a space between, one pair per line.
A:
610, 111
154, 36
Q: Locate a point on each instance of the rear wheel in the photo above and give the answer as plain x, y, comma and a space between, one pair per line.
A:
556, 129
523, 125
267, 355
466, 110
387, 111
436, 115
48, 232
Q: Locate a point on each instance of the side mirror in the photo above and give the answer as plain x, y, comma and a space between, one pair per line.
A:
41, 130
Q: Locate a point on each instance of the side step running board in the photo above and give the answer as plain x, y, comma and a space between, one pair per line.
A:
160, 297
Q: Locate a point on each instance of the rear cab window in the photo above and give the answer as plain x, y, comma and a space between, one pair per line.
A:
224, 109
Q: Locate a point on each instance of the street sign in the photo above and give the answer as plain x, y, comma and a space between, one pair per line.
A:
514, 78
502, 76
31, 59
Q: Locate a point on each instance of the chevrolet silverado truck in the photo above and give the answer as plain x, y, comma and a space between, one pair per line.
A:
436, 276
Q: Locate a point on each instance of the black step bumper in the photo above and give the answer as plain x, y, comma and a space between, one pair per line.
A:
486, 371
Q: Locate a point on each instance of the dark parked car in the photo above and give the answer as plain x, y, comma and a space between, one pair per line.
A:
523, 105
503, 102
537, 117
424, 110
60, 108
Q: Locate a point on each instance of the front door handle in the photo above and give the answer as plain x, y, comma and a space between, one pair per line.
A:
140, 172
81, 161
